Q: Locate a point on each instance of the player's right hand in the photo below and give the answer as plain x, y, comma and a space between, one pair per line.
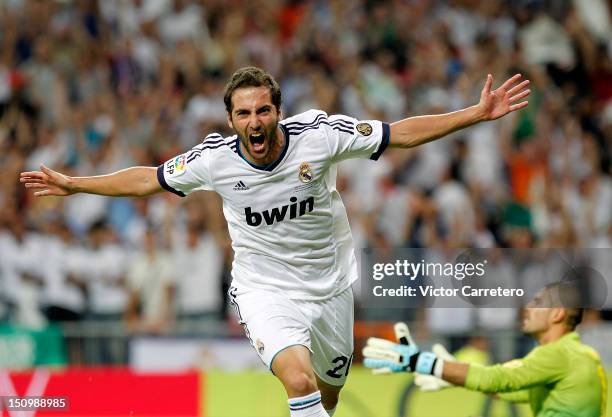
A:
47, 182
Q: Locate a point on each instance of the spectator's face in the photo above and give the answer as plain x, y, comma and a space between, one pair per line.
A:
192, 238
255, 119
149, 241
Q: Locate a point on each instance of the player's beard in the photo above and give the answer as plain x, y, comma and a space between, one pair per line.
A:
262, 150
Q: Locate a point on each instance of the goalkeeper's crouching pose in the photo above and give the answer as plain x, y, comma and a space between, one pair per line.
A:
561, 377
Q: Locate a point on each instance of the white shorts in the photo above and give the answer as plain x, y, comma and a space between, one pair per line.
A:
273, 322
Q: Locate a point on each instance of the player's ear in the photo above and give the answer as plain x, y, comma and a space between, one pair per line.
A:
558, 315
229, 120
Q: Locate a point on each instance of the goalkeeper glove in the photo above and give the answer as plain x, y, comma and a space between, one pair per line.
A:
384, 356
429, 383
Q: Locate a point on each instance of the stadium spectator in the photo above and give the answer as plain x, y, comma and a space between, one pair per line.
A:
105, 267
199, 294
22, 273
151, 283
64, 290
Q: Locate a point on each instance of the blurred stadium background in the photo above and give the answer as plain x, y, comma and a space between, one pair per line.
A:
119, 303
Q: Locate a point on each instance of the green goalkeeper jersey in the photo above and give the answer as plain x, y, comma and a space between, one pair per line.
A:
563, 378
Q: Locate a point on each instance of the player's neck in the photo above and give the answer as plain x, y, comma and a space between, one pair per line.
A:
552, 334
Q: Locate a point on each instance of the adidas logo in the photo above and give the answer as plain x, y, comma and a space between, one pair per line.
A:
240, 186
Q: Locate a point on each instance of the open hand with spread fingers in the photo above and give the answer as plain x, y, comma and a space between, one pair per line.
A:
430, 383
505, 99
384, 356
47, 182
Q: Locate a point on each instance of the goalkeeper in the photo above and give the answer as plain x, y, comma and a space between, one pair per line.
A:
560, 377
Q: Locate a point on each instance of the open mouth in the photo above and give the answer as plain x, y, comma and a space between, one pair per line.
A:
257, 141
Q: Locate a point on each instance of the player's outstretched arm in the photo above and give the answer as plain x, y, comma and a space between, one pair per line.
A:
442, 372
455, 372
543, 365
385, 356
135, 181
493, 104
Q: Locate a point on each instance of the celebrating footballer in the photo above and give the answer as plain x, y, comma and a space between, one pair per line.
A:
294, 261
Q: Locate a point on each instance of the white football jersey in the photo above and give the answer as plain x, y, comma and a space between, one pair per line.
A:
288, 226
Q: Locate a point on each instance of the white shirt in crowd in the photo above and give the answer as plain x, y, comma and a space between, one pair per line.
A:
198, 273
56, 265
105, 269
151, 275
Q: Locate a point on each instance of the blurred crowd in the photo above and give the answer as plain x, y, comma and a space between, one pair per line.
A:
89, 87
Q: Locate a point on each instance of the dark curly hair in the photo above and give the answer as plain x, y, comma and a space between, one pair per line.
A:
251, 77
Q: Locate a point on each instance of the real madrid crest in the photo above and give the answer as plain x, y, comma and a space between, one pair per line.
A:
364, 128
305, 174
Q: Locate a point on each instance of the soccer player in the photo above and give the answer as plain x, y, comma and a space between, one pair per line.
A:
560, 377
294, 261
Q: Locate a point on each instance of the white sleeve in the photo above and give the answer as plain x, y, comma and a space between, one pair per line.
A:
352, 138
187, 172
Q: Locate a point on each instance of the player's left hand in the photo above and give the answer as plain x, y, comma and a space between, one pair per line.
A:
505, 99
430, 383
384, 356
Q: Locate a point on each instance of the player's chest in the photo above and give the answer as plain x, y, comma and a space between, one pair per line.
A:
299, 178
